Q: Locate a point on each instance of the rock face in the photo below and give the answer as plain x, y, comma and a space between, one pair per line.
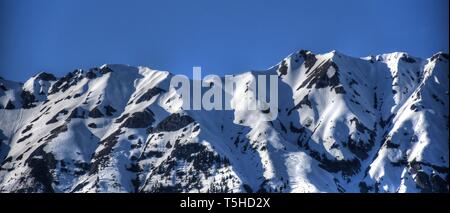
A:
173, 122
374, 124
27, 99
10, 105
139, 120
46, 76
95, 113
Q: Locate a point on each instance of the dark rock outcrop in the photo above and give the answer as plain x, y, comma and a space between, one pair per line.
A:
406, 58
310, 59
28, 99
105, 69
319, 78
95, 113
173, 122
42, 164
109, 110
46, 76
139, 120
282, 69
149, 94
10, 105
66, 82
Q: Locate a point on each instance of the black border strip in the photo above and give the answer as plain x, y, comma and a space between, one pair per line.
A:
163, 201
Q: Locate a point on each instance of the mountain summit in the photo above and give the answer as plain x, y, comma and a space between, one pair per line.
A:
345, 124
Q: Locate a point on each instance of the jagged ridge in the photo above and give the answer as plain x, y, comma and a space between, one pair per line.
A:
373, 124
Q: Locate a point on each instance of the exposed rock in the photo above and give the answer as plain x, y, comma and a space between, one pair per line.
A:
173, 122
282, 69
122, 118
339, 90
54, 119
109, 110
101, 158
91, 74
131, 137
46, 76
42, 164
202, 160
105, 69
139, 119
3, 87
265, 111
27, 99
363, 187
294, 129
347, 167
153, 154
359, 126
406, 58
149, 94
391, 145
27, 128
76, 113
77, 95
310, 59
95, 113
66, 82
56, 131
320, 78
247, 188
439, 184
177, 154
359, 147
10, 105
423, 181
439, 56
24, 138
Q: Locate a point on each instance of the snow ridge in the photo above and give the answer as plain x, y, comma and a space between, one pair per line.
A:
345, 124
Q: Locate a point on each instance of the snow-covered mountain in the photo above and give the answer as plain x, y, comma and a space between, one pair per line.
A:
373, 124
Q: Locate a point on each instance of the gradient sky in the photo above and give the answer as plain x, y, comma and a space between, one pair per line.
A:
221, 36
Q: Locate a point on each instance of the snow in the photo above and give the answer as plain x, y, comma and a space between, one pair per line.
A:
321, 141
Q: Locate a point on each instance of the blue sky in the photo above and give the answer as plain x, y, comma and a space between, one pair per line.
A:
221, 36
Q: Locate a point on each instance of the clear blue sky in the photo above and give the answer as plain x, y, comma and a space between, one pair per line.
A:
222, 36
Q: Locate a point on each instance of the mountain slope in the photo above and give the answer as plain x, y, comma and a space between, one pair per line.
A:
344, 124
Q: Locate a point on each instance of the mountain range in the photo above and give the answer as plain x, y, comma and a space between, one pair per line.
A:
344, 124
